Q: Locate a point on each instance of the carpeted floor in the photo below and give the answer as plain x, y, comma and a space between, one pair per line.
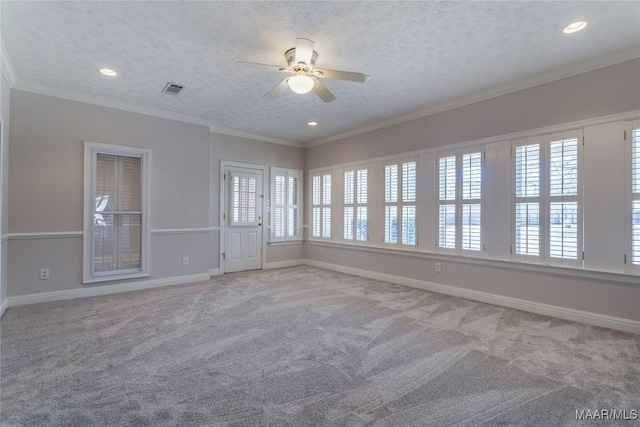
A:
303, 346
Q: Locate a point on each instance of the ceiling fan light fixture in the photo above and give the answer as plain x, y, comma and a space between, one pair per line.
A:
107, 72
574, 27
300, 84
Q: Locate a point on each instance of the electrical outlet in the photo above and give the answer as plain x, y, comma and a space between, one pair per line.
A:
185, 260
322, 250
438, 267
44, 274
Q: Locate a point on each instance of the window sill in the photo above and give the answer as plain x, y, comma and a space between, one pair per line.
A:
286, 243
563, 271
114, 277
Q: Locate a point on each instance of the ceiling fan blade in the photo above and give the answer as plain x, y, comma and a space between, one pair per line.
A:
258, 65
322, 91
273, 93
304, 50
340, 75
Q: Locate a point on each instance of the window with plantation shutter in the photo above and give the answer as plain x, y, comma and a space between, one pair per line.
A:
116, 225
547, 198
635, 192
563, 198
460, 201
471, 207
400, 203
527, 215
321, 206
355, 205
447, 202
286, 195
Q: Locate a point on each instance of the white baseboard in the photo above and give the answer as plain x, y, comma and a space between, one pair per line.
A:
103, 290
214, 272
617, 323
3, 307
280, 264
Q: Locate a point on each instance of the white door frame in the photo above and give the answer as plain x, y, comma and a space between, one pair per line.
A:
223, 206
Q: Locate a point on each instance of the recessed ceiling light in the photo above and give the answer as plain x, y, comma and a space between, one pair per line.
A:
575, 27
312, 123
108, 72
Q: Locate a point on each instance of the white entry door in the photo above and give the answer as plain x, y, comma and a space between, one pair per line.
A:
243, 236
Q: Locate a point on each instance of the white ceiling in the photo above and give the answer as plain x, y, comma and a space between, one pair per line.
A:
420, 55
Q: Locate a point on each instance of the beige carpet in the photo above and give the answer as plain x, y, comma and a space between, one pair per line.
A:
304, 346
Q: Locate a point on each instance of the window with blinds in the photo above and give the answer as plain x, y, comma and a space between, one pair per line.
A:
116, 239
286, 195
635, 193
527, 206
321, 206
460, 201
400, 203
563, 200
355, 205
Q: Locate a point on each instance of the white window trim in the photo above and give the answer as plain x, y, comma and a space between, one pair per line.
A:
91, 149
275, 171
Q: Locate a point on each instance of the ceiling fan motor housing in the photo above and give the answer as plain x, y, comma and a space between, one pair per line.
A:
290, 56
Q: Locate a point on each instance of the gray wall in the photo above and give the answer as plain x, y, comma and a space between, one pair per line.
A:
5, 97
46, 185
235, 149
597, 93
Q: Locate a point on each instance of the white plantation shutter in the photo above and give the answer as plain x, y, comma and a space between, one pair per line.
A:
321, 206
285, 212
355, 200
279, 206
527, 193
391, 224
471, 227
349, 178
527, 236
447, 195
293, 197
459, 201
243, 199
471, 207
635, 192
349, 197
316, 197
563, 201
447, 226
400, 203
563, 233
391, 198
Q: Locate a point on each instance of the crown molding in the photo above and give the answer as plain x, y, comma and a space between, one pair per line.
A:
148, 111
6, 66
493, 93
214, 129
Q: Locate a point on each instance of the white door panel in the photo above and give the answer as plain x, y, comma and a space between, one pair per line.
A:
243, 243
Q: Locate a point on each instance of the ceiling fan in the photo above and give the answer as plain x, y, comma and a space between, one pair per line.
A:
301, 62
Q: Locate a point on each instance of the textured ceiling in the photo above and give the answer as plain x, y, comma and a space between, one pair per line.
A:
419, 55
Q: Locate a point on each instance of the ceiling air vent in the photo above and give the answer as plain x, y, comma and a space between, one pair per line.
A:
172, 88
